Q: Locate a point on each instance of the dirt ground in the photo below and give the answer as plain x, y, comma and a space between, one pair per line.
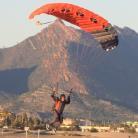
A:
82, 135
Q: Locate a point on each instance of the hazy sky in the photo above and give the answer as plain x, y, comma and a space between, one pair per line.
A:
15, 26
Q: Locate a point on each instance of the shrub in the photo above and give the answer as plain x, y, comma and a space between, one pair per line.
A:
94, 130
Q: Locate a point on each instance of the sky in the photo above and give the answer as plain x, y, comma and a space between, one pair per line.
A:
15, 25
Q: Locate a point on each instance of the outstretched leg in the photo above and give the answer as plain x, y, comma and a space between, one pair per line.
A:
56, 121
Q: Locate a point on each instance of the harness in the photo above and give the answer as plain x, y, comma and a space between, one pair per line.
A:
57, 105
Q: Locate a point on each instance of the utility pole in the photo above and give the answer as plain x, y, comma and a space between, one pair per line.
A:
38, 136
26, 131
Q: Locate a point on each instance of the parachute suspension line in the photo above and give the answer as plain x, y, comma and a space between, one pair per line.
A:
92, 52
87, 49
38, 23
91, 60
44, 40
79, 54
48, 56
96, 56
39, 41
57, 87
77, 57
32, 45
83, 51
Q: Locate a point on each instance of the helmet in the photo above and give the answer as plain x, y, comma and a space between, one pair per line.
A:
62, 95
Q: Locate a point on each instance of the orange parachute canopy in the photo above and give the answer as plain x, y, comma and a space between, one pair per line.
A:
83, 18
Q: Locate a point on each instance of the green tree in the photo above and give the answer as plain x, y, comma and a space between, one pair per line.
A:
24, 119
31, 123
36, 122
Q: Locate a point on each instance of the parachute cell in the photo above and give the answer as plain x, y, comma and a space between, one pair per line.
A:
87, 20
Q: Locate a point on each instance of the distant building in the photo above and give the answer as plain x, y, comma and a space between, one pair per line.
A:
136, 130
68, 122
132, 124
98, 128
120, 129
85, 122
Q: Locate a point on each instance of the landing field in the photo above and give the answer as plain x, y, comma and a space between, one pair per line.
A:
68, 135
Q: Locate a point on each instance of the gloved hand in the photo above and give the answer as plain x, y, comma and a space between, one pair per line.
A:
70, 92
53, 91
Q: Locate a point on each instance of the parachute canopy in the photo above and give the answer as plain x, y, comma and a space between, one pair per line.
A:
87, 20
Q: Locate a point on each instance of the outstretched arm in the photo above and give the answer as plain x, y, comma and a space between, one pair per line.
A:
68, 98
53, 96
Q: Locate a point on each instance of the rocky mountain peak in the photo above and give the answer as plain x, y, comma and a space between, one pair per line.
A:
73, 59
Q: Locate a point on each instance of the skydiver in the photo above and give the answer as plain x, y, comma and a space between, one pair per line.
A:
58, 108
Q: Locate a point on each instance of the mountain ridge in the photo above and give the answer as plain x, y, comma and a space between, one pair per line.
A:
72, 58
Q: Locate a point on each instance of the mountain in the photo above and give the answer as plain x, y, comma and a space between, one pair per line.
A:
120, 67
105, 84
